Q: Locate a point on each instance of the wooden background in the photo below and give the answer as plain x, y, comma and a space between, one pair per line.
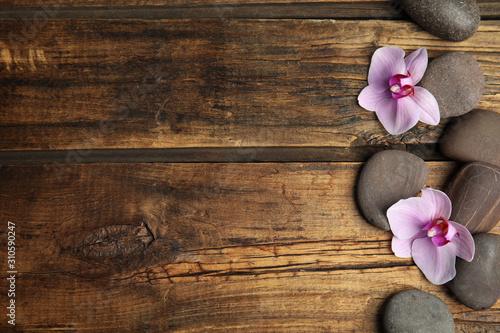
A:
190, 166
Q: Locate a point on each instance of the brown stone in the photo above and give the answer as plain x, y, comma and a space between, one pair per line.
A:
454, 20
456, 81
475, 197
477, 283
387, 177
473, 137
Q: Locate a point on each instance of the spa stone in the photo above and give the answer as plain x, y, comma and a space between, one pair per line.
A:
477, 283
453, 20
472, 137
456, 81
416, 311
387, 177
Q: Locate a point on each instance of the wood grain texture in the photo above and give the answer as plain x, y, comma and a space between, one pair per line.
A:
220, 247
489, 9
269, 10
206, 247
78, 84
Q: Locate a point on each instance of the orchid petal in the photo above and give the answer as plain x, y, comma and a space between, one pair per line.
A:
440, 202
437, 263
402, 247
439, 240
416, 64
397, 115
429, 108
451, 232
368, 98
386, 62
406, 218
463, 241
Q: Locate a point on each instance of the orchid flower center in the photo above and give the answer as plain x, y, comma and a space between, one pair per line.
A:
440, 231
401, 85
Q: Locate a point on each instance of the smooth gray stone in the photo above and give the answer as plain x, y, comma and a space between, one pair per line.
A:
387, 177
475, 197
477, 283
415, 311
475, 136
454, 20
457, 82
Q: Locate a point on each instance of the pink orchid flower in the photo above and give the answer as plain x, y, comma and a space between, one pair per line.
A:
391, 90
422, 230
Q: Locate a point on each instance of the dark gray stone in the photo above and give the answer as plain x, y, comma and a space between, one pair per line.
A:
454, 20
415, 311
475, 197
477, 283
474, 136
456, 81
387, 177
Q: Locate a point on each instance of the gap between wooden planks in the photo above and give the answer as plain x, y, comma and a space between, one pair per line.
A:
206, 247
429, 152
78, 84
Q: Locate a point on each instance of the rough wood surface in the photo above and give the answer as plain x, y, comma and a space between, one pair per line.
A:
271, 247
89, 84
100, 100
226, 10
266, 10
241, 8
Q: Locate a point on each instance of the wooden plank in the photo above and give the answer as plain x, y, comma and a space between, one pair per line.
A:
77, 84
128, 3
325, 10
489, 9
271, 247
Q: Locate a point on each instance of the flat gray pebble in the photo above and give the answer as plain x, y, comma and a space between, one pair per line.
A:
387, 177
477, 283
454, 20
457, 82
415, 311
